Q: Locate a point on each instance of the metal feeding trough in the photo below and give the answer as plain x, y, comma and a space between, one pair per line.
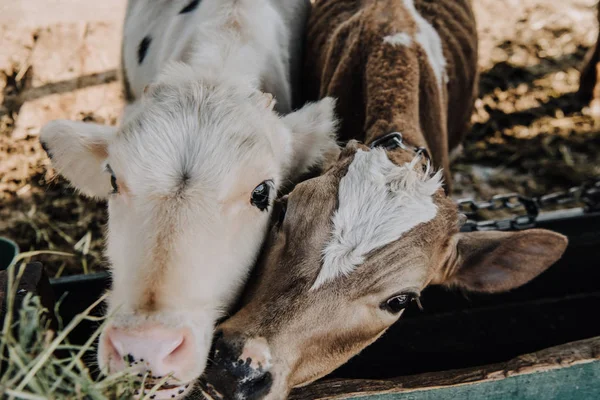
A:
541, 341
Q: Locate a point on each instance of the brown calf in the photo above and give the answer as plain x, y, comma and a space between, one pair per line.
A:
360, 242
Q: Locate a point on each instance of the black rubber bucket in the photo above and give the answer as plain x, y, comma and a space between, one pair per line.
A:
8, 251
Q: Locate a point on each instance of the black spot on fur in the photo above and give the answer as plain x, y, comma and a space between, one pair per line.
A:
129, 97
190, 7
143, 48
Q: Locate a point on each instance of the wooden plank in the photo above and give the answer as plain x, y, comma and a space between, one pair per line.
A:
72, 74
573, 383
544, 367
32, 13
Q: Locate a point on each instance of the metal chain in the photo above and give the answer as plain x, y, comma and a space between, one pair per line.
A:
588, 194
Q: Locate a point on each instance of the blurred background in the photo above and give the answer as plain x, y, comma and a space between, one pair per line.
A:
59, 59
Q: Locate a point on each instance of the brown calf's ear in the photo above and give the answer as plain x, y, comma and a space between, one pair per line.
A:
500, 261
330, 158
350, 149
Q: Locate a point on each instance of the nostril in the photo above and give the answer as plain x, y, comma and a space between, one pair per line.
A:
114, 347
225, 353
112, 356
212, 353
177, 348
258, 384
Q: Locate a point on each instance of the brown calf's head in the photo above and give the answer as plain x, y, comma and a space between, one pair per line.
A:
355, 247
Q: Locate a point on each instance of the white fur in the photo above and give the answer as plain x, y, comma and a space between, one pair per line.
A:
431, 43
399, 39
378, 202
311, 149
187, 157
259, 51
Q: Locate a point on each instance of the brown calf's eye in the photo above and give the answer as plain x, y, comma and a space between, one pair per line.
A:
398, 303
281, 209
261, 195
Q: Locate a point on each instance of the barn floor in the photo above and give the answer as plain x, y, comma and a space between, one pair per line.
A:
59, 60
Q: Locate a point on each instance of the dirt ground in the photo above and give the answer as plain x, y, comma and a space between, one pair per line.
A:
530, 134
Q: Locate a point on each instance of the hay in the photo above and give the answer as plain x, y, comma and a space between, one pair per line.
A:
30, 368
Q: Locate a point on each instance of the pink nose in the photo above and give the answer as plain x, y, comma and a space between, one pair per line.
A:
157, 350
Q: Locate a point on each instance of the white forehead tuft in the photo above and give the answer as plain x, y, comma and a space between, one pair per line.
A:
378, 202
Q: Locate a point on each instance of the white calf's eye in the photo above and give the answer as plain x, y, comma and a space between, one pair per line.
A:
398, 303
113, 179
261, 195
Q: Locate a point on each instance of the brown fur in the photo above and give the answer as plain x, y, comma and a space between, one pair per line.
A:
154, 282
312, 332
99, 151
383, 88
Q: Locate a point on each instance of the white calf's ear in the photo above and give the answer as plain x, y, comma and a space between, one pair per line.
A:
78, 151
500, 261
313, 130
268, 101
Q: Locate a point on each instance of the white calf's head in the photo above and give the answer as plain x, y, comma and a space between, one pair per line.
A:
190, 178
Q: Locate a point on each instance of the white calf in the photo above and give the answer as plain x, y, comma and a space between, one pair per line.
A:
191, 173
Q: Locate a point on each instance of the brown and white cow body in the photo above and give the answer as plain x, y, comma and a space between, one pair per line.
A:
360, 242
191, 173
397, 65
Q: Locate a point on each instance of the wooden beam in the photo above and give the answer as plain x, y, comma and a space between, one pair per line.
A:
555, 358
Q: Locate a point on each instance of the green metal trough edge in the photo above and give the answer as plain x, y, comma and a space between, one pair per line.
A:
578, 382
